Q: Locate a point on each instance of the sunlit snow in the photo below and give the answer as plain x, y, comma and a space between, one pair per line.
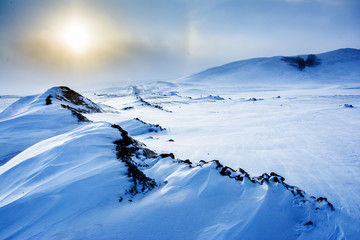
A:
69, 169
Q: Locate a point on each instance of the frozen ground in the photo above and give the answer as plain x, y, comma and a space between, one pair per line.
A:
300, 129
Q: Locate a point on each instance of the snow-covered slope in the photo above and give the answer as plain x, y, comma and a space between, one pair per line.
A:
92, 180
7, 100
71, 171
35, 118
59, 179
334, 67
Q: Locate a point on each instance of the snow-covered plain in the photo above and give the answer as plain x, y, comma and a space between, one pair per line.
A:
62, 178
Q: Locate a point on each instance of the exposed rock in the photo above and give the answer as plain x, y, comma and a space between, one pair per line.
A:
165, 155
145, 103
76, 113
48, 100
154, 127
255, 99
266, 179
73, 99
126, 148
301, 63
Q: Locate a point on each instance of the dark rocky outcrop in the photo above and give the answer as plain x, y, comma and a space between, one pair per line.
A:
126, 149
48, 100
255, 99
145, 103
348, 105
300, 63
265, 178
165, 155
153, 127
130, 151
71, 96
73, 99
76, 113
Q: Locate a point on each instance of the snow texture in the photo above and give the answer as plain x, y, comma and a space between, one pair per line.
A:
74, 170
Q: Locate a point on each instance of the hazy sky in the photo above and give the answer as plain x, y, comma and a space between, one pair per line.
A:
126, 41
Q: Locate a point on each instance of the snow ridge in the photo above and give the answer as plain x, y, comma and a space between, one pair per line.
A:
78, 102
37, 117
139, 160
72, 101
265, 178
135, 155
126, 148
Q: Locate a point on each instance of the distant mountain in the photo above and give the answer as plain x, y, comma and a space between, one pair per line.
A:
331, 67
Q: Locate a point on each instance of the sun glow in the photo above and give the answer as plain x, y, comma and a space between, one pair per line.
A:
77, 39
76, 36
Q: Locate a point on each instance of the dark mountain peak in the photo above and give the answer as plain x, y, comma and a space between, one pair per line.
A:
71, 99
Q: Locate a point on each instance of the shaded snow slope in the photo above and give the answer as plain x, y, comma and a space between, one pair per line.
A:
59, 179
335, 67
35, 118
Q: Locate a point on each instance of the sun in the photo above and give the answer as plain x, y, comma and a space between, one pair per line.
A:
78, 39
75, 36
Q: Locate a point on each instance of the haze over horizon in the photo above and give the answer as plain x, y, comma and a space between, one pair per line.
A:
90, 44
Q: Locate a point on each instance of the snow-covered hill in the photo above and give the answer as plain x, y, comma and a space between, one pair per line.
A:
35, 118
333, 67
77, 169
94, 181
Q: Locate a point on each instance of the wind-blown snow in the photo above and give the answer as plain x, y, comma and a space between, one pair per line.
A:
59, 179
53, 186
